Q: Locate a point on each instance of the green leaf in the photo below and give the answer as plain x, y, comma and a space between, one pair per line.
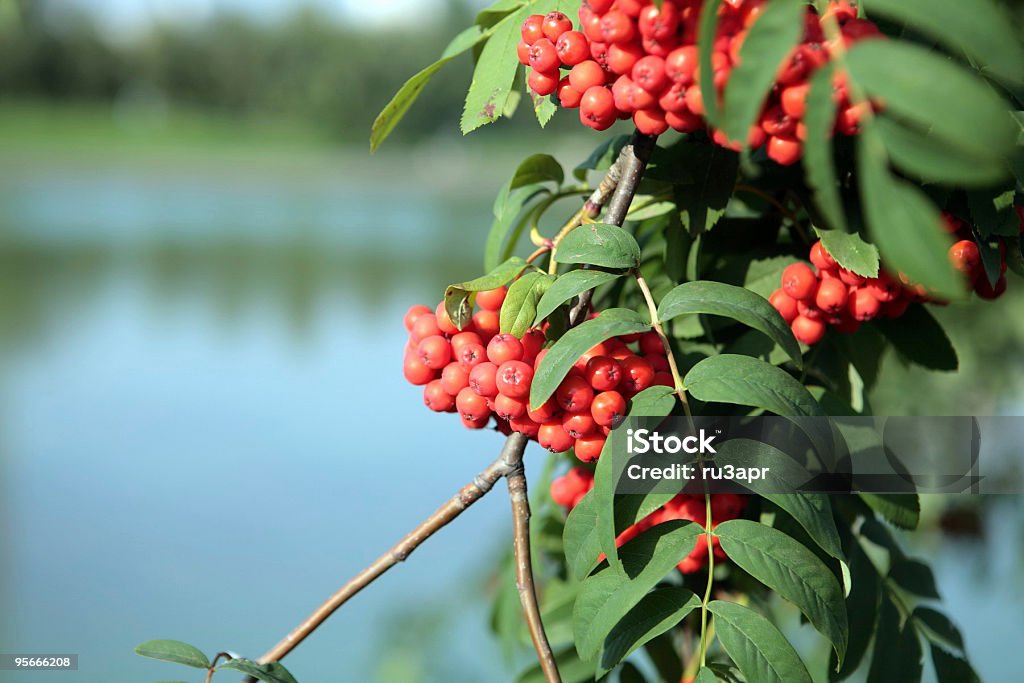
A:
921, 155
819, 159
903, 223
737, 303
602, 157
915, 577
396, 109
538, 168
570, 285
794, 572
861, 610
273, 672
707, 27
702, 203
938, 628
768, 42
982, 29
174, 651
952, 669
456, 296
604, 502
934, 94
812, 511
900, 509
760, 651
747, 381
580, 539
657, 401
665, 657
598, 244
705, 675
851, 252
897, 656
520, 305
544, 108
606, 597
992, 212
919, 338
574, 343
656, 613
494, 74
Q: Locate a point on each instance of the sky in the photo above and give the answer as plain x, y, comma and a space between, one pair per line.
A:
127, 16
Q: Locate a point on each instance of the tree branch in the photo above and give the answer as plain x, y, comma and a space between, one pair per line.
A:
524, 572
629, 168
509, 460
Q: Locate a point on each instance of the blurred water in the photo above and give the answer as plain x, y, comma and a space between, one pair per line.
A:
204, 429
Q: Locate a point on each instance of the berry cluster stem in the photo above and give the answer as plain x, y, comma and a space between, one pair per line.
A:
677, 379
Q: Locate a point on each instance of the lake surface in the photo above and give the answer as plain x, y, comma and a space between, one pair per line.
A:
204, 429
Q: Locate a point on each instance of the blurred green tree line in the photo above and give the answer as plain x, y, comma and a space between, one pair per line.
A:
307, 66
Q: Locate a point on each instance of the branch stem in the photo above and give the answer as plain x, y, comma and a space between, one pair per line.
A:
524, 572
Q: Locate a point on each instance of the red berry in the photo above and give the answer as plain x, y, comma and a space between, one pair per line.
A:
808, 309
524, 426
486, 323
784, 304
884, 287
650, 343
799, 281
533, 28
568, 96
851, 278
683, 121
573, 48
650, 121
454, 378
637, 375
588, 448
513, 378
794, 100
444, 323
547, 410
533, 342
475, 424
599, 6
965, 256
555, 24
461, 339
659, 24
681, 64
436, 398
491, 299
413, 314
553, 437
821, 259
574, 394
808, 331
471, 405
503, 347
544, 56
434, 352
863, 305
607, 408
425, 326
471, 355
578, 424
649, 74
597, 108
784, 151
543, 83
777, 122
586, 75
617, 27
832, 296
523, 52
622, 57
507, 407
482, 379
695, 100
603, 373
416, 372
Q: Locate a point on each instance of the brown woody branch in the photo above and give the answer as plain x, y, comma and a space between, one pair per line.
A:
524, 572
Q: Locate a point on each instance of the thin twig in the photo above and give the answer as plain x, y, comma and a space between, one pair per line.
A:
632, 162
511, 454
673, 366
524, 572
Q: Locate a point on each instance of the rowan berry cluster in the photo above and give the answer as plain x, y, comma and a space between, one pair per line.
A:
812, 299
570, 489
480, 373
633, 59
